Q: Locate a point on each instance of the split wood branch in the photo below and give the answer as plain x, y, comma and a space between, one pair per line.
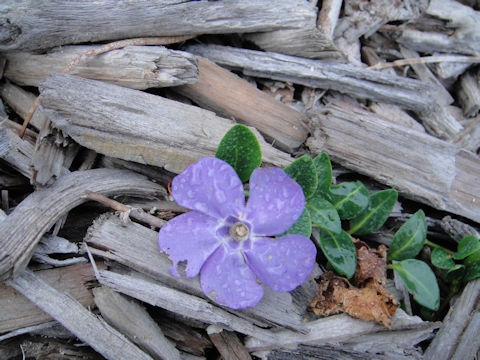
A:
73, 316
24, 227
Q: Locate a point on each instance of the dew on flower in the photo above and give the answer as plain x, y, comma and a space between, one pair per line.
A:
229, 242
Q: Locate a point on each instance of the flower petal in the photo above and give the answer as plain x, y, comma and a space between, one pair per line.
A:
189, 237
276, 201
226, 279
283, 263
210, 186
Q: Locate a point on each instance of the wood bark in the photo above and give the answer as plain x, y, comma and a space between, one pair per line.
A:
15, 151
420, 166
133, 321
455, 338
18, 312
73, 316
133, 125
29, 25
360, 83
24, 227
136, 246
228, 344
230, 96
469, 93
137, 67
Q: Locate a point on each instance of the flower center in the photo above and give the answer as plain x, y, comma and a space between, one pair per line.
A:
239, 231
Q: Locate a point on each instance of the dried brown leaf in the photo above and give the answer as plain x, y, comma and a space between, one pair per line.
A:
368, 300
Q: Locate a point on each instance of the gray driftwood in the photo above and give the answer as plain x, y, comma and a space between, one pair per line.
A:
458, 337
469, 93
365, 84
137, 126
138, 67
24, 227
136, 246
133, 321
73, 316
28, 26
18, 312
461, 34
420, 166
153, 292
230, 96
15, 151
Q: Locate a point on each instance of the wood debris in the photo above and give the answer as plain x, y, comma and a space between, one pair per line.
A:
102, 105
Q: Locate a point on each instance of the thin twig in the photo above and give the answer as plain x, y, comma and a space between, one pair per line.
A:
164, 40
137, 214
426, 60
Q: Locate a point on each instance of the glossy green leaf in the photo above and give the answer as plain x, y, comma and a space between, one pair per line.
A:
339, 250
323, 215
472, 267
324, 173
302, 226
304, 173
240, 148
466, 247
441, 259
410, 238
349, 198
420, 281
375, 215
455, 274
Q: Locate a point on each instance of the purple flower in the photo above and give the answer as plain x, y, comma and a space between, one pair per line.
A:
228, 242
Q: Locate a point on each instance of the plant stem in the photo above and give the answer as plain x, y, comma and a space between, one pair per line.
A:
433, 245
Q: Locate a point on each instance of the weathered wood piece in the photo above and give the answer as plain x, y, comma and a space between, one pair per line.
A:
73, 316
335, 329
133, 321
365, 84
21, 101
469, 93
328, 16
409, 93
420, 166
50, 244
136, 246
24, 227
154, 293
137, 126
15, 151
227, 343
18, 312
29, 27
137, 67
230, 96
458, 336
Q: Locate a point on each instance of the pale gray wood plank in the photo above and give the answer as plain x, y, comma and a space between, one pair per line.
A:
73, 316
133, 321
133, 125
24, 227
30, 24
137, 67
420, 166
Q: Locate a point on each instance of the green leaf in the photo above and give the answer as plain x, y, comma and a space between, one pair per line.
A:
304, 173
339, 250
323, 215
455, 274
420, 281
466, 247
410, 238
324, 173
349, 198
472, 267
302, 226
240, 148
375, 215
441, 259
